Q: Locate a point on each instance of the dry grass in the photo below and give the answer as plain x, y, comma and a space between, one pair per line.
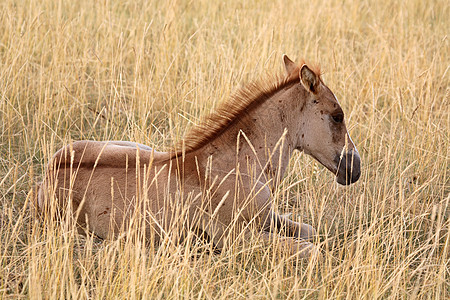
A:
147, 70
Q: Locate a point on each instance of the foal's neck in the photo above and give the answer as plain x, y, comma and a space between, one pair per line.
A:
259, 144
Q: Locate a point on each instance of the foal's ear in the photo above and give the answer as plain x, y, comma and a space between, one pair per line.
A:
309, 79
289, 65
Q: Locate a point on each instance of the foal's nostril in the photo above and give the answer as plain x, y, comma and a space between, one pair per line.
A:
355, 175
353, 166
349, 168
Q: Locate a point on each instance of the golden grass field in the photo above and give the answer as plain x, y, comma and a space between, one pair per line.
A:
147, 71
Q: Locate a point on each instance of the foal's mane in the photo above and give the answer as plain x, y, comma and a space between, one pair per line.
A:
245, 99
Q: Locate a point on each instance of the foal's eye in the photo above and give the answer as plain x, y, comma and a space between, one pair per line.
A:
338, 118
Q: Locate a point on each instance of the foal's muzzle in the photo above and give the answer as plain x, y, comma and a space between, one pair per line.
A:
349, 167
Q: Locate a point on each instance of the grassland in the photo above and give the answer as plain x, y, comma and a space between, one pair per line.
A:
146, 71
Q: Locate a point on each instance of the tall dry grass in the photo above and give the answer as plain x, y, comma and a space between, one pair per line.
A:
147, 70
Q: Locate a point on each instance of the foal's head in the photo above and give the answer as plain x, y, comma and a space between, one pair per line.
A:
321, 132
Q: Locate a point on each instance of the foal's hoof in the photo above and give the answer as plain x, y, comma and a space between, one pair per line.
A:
307, 232
305, 249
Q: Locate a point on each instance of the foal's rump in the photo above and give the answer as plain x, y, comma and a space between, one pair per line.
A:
99, 182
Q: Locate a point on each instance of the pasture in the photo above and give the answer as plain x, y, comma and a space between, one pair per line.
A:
148, 71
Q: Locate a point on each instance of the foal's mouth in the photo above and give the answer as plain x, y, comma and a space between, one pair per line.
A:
346, 167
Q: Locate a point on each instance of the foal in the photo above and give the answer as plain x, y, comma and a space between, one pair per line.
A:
219, 179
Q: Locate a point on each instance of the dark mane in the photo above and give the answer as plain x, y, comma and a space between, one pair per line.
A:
248, 97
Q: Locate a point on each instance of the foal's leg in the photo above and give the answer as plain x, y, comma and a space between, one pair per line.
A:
292, 245
214, 230
292, 228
